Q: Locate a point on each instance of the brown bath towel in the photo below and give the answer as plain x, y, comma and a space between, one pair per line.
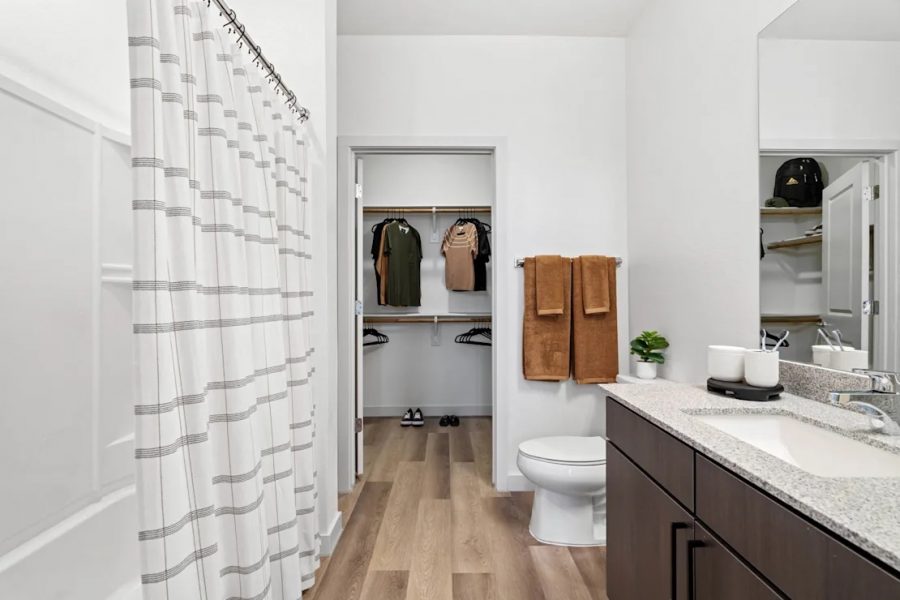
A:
549, 274
595, 284
546, 341
595, 338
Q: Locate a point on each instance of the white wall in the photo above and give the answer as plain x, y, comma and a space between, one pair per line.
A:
693, 219
299, 37
73, 52
560, 104
66, 433
837, 90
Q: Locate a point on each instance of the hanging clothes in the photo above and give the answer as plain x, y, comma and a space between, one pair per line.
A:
403, 249
483, 257
460, 248
377, 257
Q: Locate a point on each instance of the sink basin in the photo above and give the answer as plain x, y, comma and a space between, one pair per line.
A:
813, 449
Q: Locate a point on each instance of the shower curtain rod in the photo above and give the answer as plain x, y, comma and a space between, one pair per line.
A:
235, 26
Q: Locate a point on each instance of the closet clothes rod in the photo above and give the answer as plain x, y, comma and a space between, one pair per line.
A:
520, 262
426, 209
426, 319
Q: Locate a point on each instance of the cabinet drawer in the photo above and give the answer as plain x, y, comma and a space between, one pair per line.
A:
666, 459
786, 549
720, 574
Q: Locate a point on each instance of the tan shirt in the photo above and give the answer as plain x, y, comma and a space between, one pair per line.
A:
460, 247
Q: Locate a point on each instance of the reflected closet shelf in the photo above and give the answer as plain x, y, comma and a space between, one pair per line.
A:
790, 212
795, 242
785, 319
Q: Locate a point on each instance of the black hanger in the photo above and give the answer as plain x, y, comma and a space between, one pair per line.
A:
380, 338
772, 339
467, 337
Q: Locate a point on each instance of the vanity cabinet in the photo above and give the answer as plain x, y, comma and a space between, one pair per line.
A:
681, 527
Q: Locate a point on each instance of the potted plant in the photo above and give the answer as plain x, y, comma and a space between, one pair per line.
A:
647, 347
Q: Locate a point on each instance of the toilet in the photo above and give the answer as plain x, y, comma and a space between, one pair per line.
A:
569, 475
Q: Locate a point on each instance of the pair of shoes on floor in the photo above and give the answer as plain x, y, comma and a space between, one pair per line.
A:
412, 418
451, 420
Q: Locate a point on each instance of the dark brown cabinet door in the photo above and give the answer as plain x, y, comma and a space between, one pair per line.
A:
720, 574
647, 535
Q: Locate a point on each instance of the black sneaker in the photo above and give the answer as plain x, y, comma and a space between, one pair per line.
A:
418, 420
407, 419
445, 421
454, 421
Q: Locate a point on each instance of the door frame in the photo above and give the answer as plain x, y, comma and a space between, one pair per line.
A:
349, 148
886, 210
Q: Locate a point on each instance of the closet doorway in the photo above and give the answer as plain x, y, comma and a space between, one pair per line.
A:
418, 331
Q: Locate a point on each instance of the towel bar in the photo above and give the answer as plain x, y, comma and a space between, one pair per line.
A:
520, 262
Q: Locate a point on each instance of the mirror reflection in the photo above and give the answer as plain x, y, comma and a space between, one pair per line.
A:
829, 140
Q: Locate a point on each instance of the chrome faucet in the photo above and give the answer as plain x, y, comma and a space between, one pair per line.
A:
883, 382
881, 403
879, 420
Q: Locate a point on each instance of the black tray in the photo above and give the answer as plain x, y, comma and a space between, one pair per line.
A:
743, 391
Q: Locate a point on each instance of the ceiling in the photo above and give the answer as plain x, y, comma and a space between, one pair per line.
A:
865, 20
487, 17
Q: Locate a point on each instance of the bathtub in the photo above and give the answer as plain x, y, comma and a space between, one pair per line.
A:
90, 555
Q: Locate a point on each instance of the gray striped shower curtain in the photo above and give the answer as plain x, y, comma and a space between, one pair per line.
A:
225, 433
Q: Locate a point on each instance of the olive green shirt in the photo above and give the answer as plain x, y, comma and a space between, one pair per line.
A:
403, 247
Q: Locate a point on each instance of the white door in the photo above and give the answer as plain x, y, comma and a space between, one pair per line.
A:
360, 260
845, 254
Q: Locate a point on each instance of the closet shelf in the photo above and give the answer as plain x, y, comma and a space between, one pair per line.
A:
812, 319
426, 318
795, 242
425, 209
790, 212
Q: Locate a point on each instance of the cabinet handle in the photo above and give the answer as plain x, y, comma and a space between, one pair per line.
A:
673, 533
691, 546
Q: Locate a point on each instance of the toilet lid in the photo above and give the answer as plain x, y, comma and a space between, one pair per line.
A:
566, 449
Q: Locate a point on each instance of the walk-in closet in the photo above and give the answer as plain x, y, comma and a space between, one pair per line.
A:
426, 359
421, 241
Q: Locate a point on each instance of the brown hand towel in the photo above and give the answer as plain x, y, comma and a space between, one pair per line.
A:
595, 284
549, 274
546, 341
595, 337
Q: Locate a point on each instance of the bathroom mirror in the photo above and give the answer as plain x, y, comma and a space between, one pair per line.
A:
829, 123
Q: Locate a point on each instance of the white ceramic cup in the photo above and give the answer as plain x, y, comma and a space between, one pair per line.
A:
761, 368
849, 359
822, 355
725, 363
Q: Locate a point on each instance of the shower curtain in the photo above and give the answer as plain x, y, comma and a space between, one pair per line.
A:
224, 409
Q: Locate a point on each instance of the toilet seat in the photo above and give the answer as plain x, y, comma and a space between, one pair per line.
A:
566, 450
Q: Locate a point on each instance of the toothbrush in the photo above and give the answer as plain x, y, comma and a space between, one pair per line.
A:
837, 335
781, 340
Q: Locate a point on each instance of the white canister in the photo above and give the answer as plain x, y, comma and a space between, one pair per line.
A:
761, 368
848, 359
821, 355
725, 363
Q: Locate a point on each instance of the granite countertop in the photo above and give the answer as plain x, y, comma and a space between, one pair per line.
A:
864, 511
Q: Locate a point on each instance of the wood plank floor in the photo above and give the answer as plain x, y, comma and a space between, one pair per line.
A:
425, 523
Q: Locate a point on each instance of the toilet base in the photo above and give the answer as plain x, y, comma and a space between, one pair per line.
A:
563, 520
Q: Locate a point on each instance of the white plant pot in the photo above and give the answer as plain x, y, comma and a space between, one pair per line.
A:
645, 370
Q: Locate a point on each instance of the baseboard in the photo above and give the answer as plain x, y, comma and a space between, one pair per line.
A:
329, 539
516, 482
470, 410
